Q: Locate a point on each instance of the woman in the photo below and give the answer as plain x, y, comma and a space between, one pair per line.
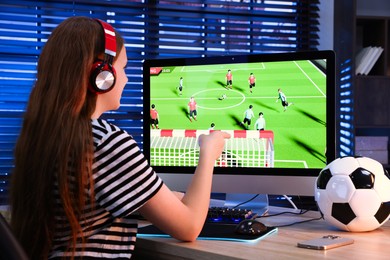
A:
78, 178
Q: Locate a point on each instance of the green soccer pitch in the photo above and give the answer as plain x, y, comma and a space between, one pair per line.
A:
299, 132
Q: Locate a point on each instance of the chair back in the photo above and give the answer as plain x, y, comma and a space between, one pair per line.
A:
10, 248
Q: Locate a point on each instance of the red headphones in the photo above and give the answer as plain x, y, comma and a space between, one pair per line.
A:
103, 76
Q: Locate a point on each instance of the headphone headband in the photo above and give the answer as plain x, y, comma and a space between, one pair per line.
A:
110, 40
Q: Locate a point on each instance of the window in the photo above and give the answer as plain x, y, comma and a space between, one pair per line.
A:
152, 29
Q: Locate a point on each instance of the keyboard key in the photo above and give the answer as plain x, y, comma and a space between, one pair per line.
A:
228, 215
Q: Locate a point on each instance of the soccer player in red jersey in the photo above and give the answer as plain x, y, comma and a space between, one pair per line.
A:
154, 117
229, 79
192, 108
251, 81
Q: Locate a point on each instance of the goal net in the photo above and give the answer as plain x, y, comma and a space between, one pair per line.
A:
245, 148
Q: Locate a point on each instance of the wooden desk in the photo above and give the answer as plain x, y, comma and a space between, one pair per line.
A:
281, 245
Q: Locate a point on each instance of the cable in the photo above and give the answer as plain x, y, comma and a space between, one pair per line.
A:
299, 222
242, 203
301, 212
293, 213
291, 202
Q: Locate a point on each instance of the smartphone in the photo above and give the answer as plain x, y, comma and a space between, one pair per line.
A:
326, 242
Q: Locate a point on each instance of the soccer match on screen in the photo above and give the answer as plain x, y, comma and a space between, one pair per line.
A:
274, 111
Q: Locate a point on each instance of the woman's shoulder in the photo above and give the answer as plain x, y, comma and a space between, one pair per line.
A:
103, 125
101, 129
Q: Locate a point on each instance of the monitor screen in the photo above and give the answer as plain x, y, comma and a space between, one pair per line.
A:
279, 109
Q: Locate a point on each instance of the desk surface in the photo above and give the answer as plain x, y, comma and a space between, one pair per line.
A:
281, 245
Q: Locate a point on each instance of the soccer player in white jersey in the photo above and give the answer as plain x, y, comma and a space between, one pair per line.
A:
283, 98
180, 85
260, 122
248, 115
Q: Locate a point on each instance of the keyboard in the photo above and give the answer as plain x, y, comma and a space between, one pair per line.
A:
228, 215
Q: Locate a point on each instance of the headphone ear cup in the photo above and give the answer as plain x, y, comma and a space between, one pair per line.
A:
102, 78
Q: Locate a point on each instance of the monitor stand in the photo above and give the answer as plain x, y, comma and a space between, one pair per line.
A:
258, 204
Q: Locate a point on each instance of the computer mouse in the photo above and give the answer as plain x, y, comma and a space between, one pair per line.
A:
250, 227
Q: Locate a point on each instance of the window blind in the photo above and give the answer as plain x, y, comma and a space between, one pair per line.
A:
151, 29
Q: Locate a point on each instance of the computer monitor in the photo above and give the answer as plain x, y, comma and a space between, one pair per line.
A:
298, 139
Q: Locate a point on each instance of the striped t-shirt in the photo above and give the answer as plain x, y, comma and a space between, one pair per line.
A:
124, 181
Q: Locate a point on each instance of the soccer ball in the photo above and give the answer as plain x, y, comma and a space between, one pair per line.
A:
353, 194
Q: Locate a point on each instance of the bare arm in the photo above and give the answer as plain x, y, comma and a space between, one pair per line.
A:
183, 219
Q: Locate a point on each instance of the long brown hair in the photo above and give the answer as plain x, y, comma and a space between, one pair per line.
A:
55, 145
